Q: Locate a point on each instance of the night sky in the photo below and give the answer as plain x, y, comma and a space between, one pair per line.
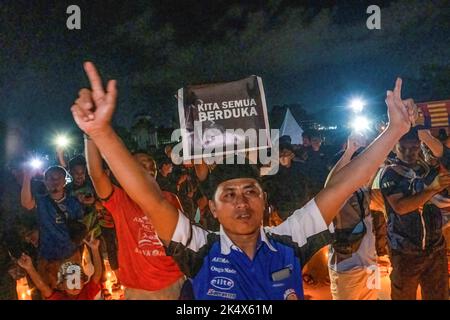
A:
314, 53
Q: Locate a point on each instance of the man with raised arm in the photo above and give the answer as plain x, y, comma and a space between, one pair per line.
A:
144, 269
414, 224
243, 260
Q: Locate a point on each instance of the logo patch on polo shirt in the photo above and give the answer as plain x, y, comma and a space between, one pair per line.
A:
222, 283
220, 270
221, 260
226, 295
290, 295
282, 274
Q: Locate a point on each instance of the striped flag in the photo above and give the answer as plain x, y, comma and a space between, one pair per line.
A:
433, 114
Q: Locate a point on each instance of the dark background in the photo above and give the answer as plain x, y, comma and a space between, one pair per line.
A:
315, 55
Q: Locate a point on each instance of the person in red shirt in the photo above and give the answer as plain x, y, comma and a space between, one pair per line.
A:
144, 269
72, 282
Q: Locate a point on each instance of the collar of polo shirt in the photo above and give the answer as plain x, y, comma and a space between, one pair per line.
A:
226, 244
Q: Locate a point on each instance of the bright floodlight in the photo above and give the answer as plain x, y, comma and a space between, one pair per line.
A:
36, 163
62, 141
357, 105
360, 124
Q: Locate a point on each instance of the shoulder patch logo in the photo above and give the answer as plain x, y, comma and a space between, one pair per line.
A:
388, 184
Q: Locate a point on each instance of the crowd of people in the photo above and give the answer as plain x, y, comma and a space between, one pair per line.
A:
221, 231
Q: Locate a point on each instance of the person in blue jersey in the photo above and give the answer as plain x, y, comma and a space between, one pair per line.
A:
417, 246
243, 260
55, 211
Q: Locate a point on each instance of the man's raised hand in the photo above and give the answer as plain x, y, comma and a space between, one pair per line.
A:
441, 182
413, 111
92, 243
355, 141
25, 262
401, 112
424, 135
93, 110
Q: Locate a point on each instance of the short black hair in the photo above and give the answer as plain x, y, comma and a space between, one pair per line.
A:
286, 146
412, 135
54, 169
78, 160
315, 134
163, 161
225, 172
285, 139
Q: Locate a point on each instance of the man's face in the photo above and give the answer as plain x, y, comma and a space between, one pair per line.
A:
408, 151
306, 142
167, 168
316, 142
147, 163
55, 181
239, 206
78, 173
286, 157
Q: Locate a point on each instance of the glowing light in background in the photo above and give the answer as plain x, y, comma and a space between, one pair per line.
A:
357, 105
36, 163
360, 124
62, 141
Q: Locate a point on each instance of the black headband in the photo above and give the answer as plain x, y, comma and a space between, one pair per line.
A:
225, 172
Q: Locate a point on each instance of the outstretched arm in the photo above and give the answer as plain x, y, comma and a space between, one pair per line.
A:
102, 183
355, 141
432, 143
26, 263
358, 171
405, 204
61, 159
94, 245
26, 197
94, 118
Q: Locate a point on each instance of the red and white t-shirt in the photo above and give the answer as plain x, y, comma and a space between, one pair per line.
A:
88, 292
143, 263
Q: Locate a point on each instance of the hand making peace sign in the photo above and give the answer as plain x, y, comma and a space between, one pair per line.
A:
402, 113
94, 108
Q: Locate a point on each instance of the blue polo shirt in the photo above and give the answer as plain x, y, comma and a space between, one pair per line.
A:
54, 238
219, 270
